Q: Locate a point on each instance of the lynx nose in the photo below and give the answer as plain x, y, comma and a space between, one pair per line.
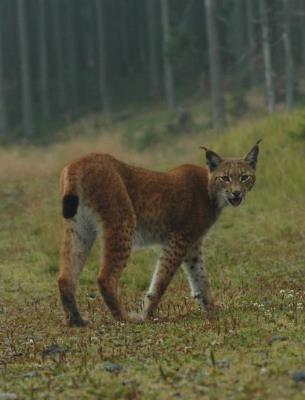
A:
237, 194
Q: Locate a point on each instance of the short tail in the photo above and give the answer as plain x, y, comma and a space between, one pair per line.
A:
69, 205
69, 192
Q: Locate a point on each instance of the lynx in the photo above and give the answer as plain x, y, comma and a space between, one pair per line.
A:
120, 205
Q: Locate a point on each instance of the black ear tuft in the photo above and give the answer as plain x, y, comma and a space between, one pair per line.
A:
252, 156
213, 159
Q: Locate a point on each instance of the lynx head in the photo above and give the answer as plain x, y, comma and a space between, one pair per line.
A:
230, 179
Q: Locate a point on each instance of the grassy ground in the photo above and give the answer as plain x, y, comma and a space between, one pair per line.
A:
255, 256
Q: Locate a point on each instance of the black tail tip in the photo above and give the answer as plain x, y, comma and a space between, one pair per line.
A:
69, 205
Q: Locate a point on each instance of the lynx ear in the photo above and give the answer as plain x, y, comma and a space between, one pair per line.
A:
251, 157
213, 159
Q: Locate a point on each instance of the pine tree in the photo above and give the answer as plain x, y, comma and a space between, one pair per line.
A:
154, 75
167, 64
102, 70
289, 67
267, 56
43, 57
3, 112
214, 65
26, 84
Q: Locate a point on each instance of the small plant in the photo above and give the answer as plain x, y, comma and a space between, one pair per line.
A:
141, 135
299, 133
238, 105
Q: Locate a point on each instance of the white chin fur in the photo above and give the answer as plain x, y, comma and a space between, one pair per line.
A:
222, 201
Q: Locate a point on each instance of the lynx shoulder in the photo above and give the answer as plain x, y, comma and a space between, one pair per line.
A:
122, 205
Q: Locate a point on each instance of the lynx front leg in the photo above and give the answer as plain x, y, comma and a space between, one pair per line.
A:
76, 246
198, 277
172, 256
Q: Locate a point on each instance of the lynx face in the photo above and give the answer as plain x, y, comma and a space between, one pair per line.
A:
231, 179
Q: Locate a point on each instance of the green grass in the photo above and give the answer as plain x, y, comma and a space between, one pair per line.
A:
255, 256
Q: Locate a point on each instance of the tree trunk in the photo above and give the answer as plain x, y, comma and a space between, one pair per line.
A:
215, 66
154, 74
289, 67
267, 56
251, 42
71, 55
102, 70
43, 55
3, 113
124, 36
167, 64
236, 34
58, 47
26, 96
302, 29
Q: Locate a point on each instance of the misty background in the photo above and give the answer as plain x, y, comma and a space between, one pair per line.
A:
62, 59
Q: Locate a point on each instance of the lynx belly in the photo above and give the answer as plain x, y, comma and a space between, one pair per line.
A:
146, 237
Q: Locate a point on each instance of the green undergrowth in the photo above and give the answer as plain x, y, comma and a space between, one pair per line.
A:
248, 349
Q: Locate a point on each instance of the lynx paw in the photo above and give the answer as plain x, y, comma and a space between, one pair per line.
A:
212, 310
135, 318
212, 307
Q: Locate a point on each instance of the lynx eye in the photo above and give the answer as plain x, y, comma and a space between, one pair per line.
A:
244, 178
225, 178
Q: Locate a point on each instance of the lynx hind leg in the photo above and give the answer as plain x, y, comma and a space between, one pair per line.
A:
198, 277
172, 256
79, 236
118, 239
